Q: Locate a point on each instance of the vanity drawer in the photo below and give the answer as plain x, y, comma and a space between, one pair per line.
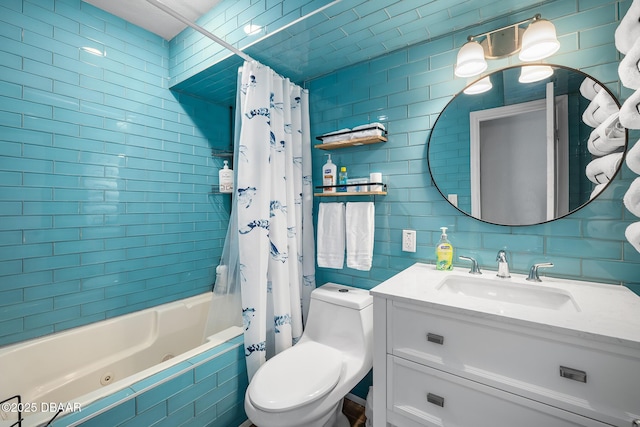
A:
587, 379
427, 396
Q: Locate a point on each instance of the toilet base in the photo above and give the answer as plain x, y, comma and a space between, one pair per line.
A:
342, 421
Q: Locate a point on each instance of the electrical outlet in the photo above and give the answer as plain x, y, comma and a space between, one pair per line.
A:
408, 240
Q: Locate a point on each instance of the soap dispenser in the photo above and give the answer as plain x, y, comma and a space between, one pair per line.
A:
225, 178
444, 252
329, 175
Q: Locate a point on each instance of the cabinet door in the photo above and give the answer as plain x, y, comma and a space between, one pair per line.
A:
579, 375
426, 396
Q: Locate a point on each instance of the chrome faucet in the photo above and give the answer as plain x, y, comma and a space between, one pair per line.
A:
475, 269
503, 265
533, 273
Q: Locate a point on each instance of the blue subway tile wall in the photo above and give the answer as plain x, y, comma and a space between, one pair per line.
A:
105, 196
206, 389
192, 55
406, 90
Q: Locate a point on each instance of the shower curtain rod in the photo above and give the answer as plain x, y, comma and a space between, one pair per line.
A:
198, 28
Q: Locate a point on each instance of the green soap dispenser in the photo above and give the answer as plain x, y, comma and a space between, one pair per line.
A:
444, 252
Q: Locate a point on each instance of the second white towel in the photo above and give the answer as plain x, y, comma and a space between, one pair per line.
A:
631, 198
360, 227
602, 169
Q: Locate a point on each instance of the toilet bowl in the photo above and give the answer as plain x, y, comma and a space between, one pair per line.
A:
305, 384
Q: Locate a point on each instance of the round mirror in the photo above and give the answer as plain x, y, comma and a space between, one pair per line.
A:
526, 145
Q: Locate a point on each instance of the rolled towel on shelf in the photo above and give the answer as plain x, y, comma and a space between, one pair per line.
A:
629, 68
633, 158
360, 227
330, 241
631, 198
632, 233
630, 111
599, 109
597, 190
629, 29
607, 137
603, 169
589, 88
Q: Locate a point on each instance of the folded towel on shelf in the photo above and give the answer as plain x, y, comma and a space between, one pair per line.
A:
599, 109
633, 158
589, 88
607, 137
631, 198
360, 226
603, 169
629, 29
335, 136
629, 68
632, 233
630, 111
597, 190
330, 241
370, 125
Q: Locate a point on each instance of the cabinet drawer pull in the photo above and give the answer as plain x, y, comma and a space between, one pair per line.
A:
434, 338
573, 374
435, 399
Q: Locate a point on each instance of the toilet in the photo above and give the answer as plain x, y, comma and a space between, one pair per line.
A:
305, 384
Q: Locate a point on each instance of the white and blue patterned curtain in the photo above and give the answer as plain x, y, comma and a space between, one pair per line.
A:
273, 211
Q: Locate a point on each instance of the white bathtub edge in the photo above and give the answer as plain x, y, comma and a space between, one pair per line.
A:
228, 334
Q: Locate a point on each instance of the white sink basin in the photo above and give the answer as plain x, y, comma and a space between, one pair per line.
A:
505, 290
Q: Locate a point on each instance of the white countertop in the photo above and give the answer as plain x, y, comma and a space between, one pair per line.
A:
609, 313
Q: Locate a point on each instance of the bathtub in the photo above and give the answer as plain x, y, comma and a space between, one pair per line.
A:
116, 357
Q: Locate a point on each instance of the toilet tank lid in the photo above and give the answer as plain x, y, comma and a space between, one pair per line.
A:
346, 296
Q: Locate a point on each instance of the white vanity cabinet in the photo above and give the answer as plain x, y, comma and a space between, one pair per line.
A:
456, 360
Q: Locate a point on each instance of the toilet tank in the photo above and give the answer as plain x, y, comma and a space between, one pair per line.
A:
345, 296
341, 317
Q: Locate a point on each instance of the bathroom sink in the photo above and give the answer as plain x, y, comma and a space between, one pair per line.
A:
505, 290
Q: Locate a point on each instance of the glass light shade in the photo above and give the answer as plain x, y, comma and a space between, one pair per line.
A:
470, 61
481, 86
534, 73
539, 41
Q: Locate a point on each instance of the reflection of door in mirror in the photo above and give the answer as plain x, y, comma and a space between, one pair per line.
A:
519, 161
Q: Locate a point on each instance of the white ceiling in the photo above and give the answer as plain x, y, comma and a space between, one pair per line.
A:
149, 17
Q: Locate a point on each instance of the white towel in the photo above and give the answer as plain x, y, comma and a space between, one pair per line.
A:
629, 29
330, 252
603, 169
633, 158
597, 190
607, 137
630, 111
360, 225
629, 68
631, 198
589, 88
598, 110
632, 233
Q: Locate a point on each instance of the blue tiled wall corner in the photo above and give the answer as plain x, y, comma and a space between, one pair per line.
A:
106, 174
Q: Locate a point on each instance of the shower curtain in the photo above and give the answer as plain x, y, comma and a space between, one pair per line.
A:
272, 211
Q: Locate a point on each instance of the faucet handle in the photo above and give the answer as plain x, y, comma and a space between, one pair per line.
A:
475, 269
533, 273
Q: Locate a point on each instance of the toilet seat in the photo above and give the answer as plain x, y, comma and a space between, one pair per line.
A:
312, 370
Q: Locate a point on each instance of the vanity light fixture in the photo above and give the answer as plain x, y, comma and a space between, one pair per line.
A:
481, 86
534, 73
534, 43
